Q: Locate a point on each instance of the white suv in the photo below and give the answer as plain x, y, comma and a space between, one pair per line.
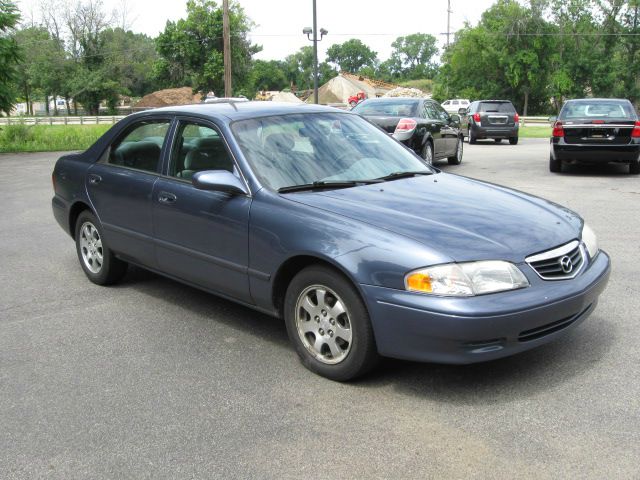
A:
453, 106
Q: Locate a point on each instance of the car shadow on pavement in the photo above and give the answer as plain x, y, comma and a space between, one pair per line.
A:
599, 170
521, 375
205, 305
497, 381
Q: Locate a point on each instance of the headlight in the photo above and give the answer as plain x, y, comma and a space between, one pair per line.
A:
590, 240
466, 279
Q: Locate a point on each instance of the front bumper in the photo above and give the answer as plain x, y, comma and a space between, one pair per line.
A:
475, 329
594, 153
494, 132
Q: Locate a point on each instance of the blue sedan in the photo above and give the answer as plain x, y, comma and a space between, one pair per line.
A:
316, 216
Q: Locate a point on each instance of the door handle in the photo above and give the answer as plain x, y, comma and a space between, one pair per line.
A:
94, 179
166, 197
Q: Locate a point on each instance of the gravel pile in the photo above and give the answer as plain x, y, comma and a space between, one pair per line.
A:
406, 92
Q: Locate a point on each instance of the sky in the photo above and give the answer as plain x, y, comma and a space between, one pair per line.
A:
280, 22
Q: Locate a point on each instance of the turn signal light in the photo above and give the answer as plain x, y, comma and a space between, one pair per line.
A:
558, 131
419, 282
635, 133
406, 125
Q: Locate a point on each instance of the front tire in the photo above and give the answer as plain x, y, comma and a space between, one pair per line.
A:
329, 325
98, 262
457, 158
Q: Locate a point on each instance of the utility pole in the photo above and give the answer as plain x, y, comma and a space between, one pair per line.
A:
309, 31
226, 43
448, 21
315, 54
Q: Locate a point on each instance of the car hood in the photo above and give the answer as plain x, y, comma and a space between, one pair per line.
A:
457, 217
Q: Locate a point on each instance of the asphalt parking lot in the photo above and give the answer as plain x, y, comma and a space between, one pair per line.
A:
153, 379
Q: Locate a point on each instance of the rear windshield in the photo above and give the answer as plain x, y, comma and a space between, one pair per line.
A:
497, 107
391, 108
598, 109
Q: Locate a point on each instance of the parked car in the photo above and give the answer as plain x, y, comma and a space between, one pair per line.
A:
454, 106
596, 130
317, 216
495, 119
421, 124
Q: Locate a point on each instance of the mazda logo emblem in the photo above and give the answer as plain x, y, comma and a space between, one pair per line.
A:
566, 264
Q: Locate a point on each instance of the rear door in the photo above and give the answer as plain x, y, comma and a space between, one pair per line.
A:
436, 125
449, 130
497, 114
120, 185
201, 236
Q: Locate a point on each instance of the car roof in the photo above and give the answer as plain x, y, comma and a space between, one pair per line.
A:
387, 99
495, 101
598, 100
243, 110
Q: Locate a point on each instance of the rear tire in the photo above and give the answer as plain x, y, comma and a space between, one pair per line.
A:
555, 166
513, 140
634, 167
98, 262
329, 325
427, 152
457, 158
472, 137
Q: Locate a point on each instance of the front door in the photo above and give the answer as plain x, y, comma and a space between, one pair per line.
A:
120, 185
201, 236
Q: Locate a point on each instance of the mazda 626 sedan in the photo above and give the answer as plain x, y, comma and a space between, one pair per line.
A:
317, 216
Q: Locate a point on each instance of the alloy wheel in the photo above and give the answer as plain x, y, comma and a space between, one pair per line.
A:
91, 247
323, 324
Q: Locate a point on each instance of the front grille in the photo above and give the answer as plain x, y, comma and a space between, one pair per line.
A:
560, 263
549, 328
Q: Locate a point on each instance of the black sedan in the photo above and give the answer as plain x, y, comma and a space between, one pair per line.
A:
421, 124
596, 130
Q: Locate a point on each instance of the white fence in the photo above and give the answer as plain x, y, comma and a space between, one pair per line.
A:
62, 120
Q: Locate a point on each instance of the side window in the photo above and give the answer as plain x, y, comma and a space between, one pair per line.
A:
455, 102
447, 102
139, 147
198, 148
441, 114
431, 111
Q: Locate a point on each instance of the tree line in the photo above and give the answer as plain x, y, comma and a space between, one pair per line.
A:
536, 53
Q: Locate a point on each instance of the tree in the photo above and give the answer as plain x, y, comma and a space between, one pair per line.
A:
191, 49
351, 56
299, 69
268, 75
9, 55
412, 56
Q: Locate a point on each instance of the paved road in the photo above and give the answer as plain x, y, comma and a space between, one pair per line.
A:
152, 379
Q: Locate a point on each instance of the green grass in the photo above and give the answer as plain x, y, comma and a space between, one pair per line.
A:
542, 131
49, 138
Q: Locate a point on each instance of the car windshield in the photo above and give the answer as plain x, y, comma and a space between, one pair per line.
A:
299, 149
499, 107
390, 108
597, 109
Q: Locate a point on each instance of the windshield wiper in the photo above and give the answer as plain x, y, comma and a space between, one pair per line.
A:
321, 184
399, 175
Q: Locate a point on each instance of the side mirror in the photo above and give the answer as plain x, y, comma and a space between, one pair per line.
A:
462, 111
219, 181
553, 119
455, 118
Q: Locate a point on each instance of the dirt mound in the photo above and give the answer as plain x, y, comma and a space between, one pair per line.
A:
169, 97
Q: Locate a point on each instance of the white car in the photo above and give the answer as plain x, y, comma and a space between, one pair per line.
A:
453, 106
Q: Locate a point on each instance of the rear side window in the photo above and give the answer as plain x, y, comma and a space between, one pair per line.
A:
497, 107
598, 109
391, 108
139, 147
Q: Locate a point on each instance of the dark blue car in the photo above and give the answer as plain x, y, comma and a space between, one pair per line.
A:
315, 215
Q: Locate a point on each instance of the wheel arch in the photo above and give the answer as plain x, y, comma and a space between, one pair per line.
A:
74, 212
295, 264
